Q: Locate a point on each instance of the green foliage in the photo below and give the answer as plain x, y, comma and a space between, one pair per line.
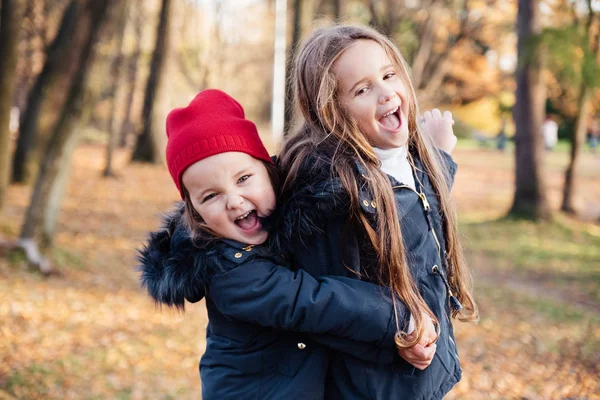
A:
570, 55
407, 39
462, 130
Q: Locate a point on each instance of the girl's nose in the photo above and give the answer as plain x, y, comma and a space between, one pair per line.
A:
386, 97
234, 201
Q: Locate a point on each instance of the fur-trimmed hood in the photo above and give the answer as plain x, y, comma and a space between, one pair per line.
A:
173, 267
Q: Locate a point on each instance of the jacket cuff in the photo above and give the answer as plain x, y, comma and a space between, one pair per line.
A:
450, 166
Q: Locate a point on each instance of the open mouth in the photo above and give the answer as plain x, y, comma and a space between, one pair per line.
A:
391, 120
248, 221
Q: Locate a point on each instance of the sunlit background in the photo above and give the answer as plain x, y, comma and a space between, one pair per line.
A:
82, 178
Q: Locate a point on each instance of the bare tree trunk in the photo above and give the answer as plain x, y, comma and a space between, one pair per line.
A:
146, 149
386, 21
289, 92
115, 73
425, 48
338, 9
88, 24
584, 106
530, 198
23, 79
10, 25
127, 126
28, 127
578, 137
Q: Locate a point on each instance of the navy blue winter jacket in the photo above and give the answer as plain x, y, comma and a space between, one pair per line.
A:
253, 306
315, 229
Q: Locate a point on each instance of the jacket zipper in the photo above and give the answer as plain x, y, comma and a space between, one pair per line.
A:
454, 302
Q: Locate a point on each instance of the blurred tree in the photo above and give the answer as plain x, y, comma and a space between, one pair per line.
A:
589, 76
530, 197
120, 13
11, 13
338, 9
147, 147
385, 15
22, 80
289, 88
137, 16
432, 35
44, 93
87, 21
332, 9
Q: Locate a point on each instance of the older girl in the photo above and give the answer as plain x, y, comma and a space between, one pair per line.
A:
366, 195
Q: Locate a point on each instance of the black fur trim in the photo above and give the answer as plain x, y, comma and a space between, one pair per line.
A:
173, 267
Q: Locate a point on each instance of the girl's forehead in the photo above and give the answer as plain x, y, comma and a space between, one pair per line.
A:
364, 57
217, 168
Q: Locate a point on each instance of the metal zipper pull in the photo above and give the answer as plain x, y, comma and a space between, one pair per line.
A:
455, 304
426, 205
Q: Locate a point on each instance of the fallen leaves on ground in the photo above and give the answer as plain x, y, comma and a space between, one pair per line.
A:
92, 333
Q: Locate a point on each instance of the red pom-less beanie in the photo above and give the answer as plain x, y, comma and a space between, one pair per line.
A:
212, 123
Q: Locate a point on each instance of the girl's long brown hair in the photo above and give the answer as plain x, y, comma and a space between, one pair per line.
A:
328, 127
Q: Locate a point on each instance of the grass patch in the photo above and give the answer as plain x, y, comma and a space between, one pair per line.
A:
66, 258
36, 378
525, 306
555, 253
7, 230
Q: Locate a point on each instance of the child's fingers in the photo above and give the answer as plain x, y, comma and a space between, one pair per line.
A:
436, 113
422, 353
448, 116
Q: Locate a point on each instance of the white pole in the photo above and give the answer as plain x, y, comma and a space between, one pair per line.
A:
277, 107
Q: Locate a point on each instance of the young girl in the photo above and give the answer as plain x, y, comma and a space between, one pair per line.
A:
389, 218
211, 247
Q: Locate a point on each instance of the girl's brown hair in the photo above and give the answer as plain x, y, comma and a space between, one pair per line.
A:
193, 221
328, 127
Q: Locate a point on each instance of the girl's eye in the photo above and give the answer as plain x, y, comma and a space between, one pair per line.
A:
207, 198
243, 178
360, 91
389, 75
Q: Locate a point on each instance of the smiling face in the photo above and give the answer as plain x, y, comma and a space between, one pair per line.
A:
372, 91
230, 191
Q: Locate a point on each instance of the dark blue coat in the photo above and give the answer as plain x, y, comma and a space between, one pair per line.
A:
330, 244
253, 305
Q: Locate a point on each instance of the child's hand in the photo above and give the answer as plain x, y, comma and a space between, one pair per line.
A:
421, 354
440, 128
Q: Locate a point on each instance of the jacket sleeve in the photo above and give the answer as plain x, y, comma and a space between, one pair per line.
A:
361, 350
267, 294
450, 168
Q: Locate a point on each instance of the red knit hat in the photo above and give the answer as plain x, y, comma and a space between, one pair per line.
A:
212, 123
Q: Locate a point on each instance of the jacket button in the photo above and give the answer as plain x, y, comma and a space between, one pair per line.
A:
373, 204
301, 346
238, 255
366, 203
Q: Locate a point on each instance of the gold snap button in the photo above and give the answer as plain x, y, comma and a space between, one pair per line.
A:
373, 204
366, 203
301, 346
238, 255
